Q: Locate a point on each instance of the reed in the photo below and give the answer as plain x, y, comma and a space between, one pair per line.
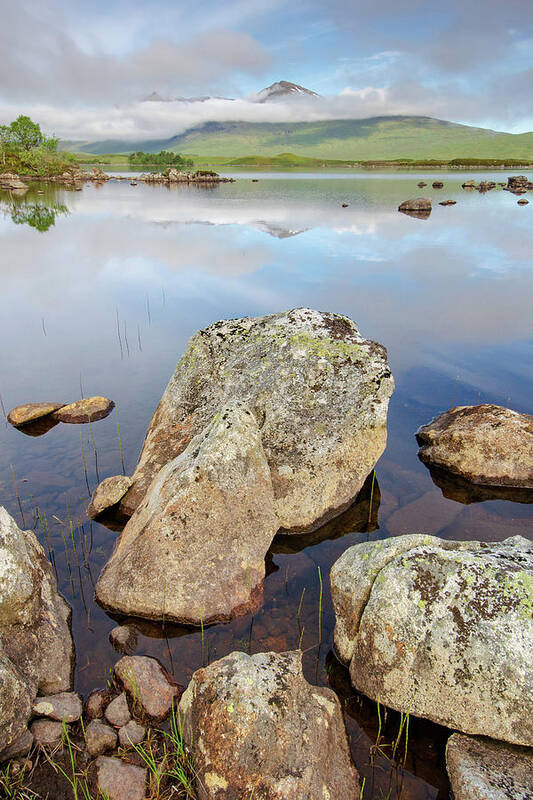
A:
371, 499
120, 443
84, 465
320, 607
119, 336
3, 407
17, 495
126, 339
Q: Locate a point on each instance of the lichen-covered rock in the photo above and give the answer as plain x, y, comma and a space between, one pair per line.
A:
107, 494
319, 392
90, 409
486, 444
194, 551
441, 629
259, 729
63, 707
152, 690
482, 769
36, 650
30, 412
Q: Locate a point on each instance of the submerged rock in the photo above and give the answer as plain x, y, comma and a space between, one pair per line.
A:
89, 409
124, 639
448, 203
487, 445
30, 412
268, 423
482, 769
258, 728
437, 184
9, 180
107, 494
441, 629
523, 202
36, 651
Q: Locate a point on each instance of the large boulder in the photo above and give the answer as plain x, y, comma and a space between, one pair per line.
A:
194, 551
482, 769
486, 445
259, 729
441, 629
267, 423
319, 392
36, 653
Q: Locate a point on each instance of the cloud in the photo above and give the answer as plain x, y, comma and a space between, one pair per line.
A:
42, 61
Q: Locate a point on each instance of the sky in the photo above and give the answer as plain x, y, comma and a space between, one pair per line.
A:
83, 70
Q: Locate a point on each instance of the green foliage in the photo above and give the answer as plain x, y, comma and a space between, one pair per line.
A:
163, 158
25, 150
37, 215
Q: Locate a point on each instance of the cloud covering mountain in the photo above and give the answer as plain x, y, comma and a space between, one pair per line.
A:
80, 68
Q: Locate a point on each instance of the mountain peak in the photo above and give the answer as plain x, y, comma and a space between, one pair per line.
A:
280, 90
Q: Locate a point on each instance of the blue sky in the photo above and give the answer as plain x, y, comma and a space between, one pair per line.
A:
80, 65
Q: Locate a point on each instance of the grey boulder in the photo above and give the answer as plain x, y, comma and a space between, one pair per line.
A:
258, 729
482, 769
441, 629
36, 652
268, 423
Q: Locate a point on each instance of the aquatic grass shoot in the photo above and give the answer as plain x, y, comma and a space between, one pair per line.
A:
120, 442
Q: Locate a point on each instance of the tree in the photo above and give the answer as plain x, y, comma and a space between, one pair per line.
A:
5, 138
25, 134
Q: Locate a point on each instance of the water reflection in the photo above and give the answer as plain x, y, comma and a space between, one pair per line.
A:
124, 279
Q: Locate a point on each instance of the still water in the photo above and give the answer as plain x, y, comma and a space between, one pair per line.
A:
101, 290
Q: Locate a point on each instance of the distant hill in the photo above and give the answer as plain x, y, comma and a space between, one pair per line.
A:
375, 138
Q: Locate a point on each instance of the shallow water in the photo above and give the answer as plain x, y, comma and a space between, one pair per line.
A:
450, 297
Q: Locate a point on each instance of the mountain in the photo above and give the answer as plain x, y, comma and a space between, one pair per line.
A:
282, 90
376, 138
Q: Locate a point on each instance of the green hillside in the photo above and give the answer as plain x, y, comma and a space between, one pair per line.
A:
377, 138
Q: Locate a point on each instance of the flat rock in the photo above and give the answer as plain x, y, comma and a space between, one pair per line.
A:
194, 551
486, 444
65, 706
523, 202
441, 629
118, 712
99, 737
131, 734
124, 639
259, 729
107, 494
96, 703
46, 732
89, 409
29, 412
267, 423
148, 684
36, 651
120, 781
482, 769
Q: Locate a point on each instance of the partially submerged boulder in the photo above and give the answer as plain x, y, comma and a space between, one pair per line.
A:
259, 729
482, 769
107, 494
441, 629
89, 409
487, 445
418, 207
36, 652
268, 423
30, 412
151, 688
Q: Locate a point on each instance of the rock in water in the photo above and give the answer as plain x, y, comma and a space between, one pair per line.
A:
29, 412
90, 409
194, 551
487, 445
318, 390
258, 728
267, 423
148, 685
107, 494
416, 207
441, 629
482, 769
35, 641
